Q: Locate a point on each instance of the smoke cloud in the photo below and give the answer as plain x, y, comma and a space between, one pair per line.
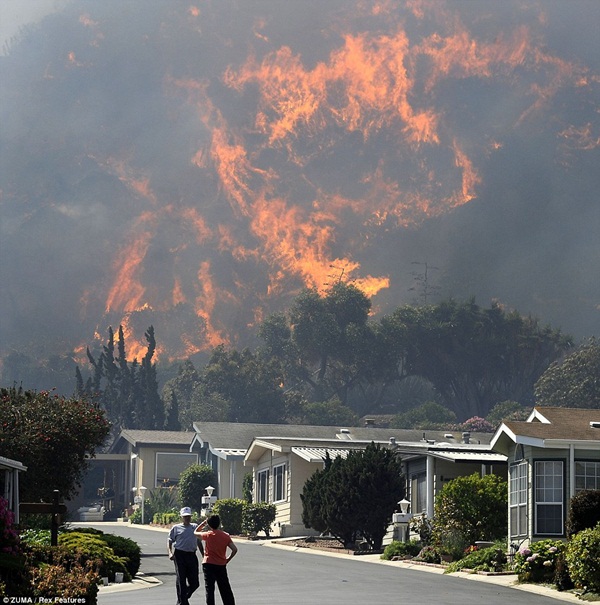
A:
194, 165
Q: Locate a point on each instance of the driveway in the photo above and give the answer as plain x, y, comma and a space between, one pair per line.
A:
264, 573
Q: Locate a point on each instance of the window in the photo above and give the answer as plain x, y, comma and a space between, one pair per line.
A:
518, 499
587, 475
170, 465
279, 491
549, 488
262, 480
418, 497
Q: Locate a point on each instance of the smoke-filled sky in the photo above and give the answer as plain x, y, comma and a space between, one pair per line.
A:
194, 164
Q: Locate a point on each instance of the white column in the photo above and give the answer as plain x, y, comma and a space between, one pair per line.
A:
430, 484
571, 470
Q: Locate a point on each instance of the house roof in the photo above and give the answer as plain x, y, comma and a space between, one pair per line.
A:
315, 450
139, 438
228, 435
550, 426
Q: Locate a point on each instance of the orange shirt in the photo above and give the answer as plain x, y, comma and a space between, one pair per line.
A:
215, 546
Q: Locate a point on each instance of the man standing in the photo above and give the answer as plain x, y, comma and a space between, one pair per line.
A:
215, 560
182, 546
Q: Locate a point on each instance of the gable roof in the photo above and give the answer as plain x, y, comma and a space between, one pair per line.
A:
551, 427
139, 438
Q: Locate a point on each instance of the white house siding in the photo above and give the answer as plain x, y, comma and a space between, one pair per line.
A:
532, 455
299, 472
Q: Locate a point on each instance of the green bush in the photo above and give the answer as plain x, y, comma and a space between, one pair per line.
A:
401, 549
583, 559
192, 483
492, 558
537, 562
258, 517
162, 500
429, 554
93, 548
122, 547
231, 511
584, 511
60, 570
168, 518
468, 509
35, 536
126, 549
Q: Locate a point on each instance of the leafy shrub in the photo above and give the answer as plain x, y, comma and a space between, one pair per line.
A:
231, 511
60, 571
429, 554
421, 524
192, 483
167, 518
469, 509
162, 500
537, 562
583, 558
584, 511
258, 517
126, 549
492, 558
401, 549
95, 549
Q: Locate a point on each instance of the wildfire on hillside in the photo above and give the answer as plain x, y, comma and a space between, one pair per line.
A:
291, 160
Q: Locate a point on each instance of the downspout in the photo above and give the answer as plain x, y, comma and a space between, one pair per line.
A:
430, 470
15, 496
571, 470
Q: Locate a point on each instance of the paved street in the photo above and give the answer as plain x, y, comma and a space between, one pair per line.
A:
277, 575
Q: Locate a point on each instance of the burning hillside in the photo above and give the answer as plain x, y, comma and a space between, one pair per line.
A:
193, 165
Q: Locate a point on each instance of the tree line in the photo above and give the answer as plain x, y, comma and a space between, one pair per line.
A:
327, 361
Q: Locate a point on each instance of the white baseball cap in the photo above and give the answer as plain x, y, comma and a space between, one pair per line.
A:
186, 511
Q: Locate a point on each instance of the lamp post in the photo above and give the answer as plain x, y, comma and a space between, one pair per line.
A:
401, 521
209, 499
139, 500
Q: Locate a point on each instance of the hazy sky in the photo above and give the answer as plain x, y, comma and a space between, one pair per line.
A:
16, 13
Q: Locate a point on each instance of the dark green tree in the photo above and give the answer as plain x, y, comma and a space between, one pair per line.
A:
326, 413
355, 495
53, 436
313, 505
325, 345
127, 390
573, 382
430, 415
507, 410
468, 509
476, 357
181, 388
193, 482
250, 385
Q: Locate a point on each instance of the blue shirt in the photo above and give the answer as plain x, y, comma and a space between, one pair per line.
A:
183, 537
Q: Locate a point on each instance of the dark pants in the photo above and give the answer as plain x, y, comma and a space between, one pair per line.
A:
186, 569
218, 574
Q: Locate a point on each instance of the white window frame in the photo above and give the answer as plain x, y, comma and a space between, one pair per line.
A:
549, 490
517, 506
262, 485
587, 475
193, 459
279, 483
